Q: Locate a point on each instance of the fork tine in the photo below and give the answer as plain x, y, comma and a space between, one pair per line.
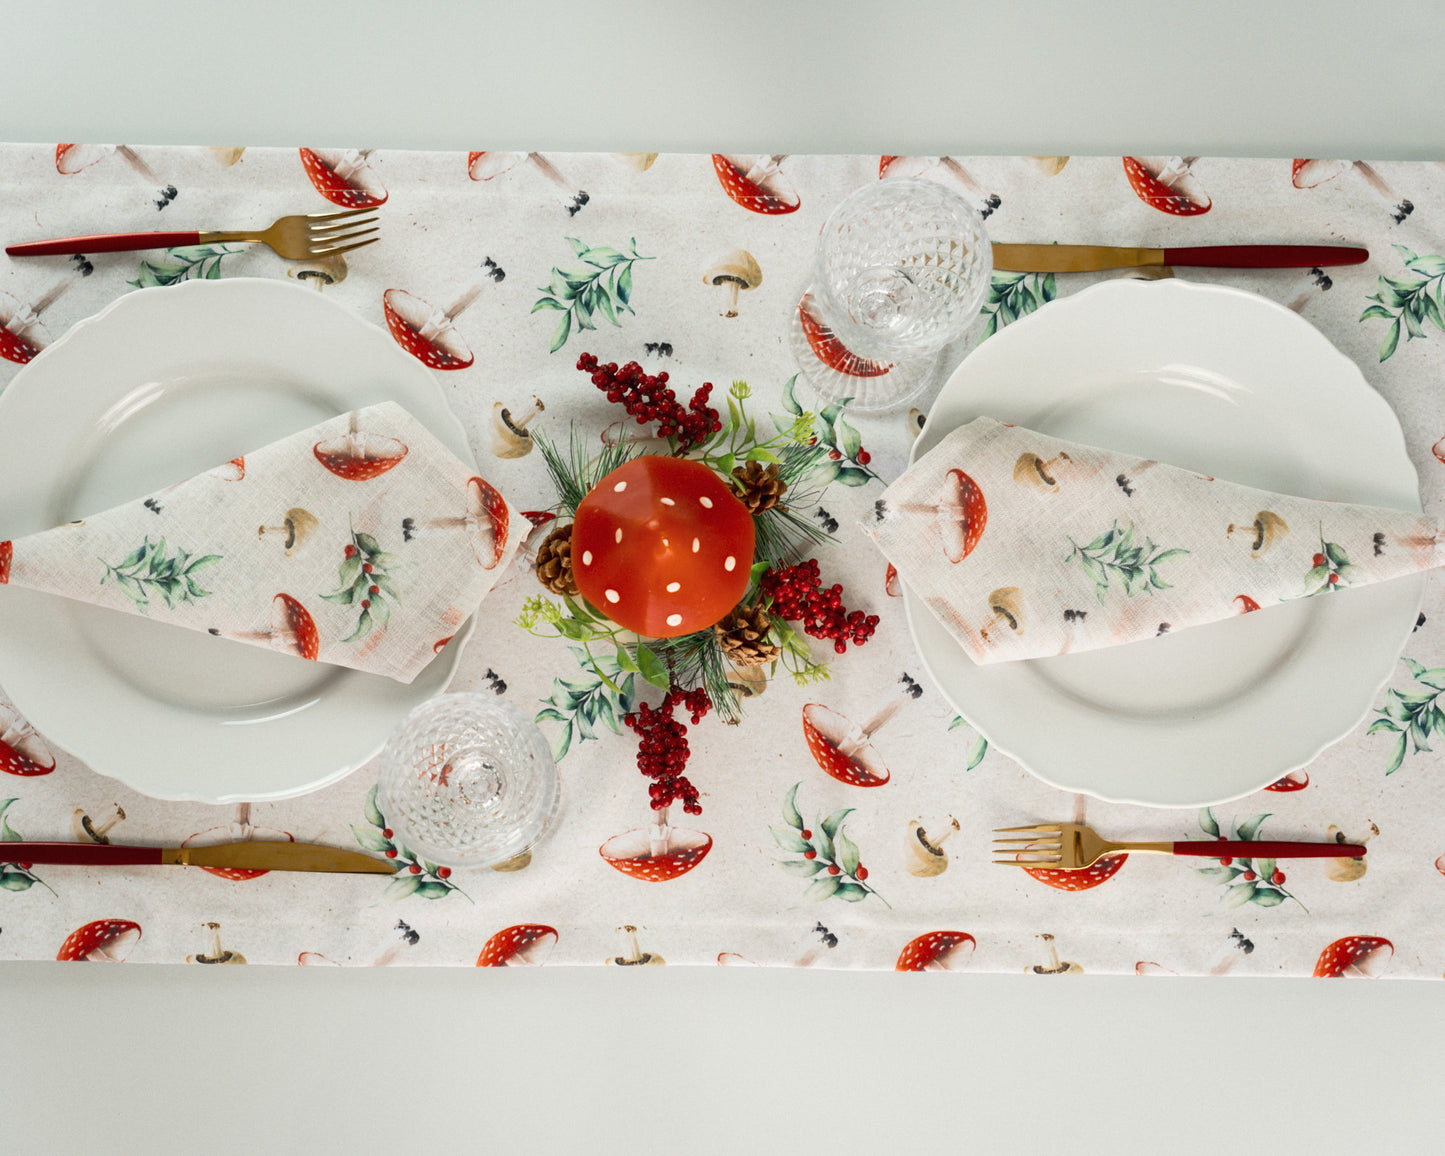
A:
338, 214
331, 245
1034, 840
344, 248
1025, 862
340, 238
1049, 828
322, 228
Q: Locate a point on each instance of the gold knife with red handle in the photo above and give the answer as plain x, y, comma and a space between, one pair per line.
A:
1092, 258
254, 855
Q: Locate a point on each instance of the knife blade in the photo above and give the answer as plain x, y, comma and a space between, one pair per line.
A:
1092, 258
254, 855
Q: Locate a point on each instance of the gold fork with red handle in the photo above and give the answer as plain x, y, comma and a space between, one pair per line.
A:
1072, 847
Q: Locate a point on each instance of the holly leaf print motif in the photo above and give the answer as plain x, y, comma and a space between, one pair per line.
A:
1113, 558
199, 262
1014, 295
1413, 716
600, 284
1259, 881
364, 581
1330, 569
1409, 302
828, 857
148, 572
14, 876
414, 875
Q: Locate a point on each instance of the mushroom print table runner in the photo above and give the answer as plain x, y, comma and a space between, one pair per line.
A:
499, 271
348, 487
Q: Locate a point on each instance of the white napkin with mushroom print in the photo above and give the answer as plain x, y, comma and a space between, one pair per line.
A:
1026, 546
362, 542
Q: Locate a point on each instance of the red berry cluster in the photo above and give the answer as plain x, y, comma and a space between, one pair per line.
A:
662, 753
649, 398
797, 595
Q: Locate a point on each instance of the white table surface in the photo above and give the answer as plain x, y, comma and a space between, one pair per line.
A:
700, 1061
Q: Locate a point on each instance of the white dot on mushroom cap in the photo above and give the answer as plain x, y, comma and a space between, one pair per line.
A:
706, 503
668, 502
586, 557
696, 545
618, 536
665, 542
619, 487
674, 587
729, 562
674, 619
612, 595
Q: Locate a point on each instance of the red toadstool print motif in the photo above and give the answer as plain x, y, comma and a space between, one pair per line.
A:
523, 945
1294, 781
72, 158
662, 546
487, 523
343, 177
919, 166
21, 332
293, 630
1246, 604
358, 456
238, 831
1166, 184
429, 334
1309, 174
657, 853
7, 553
958, 515
104, 941
1102, 871
484, 166
22, 751
1363, 956
829, 350
937, 951
843, 750
756, 183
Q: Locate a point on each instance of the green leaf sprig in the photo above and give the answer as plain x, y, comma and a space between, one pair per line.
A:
188, 262
826, 855
364, 582
1331, 568
830, 434
414, 875
1245, 880
977, 749
1409, 302
14, 877
148, 572
602, 693
1412, 716
1014, 295
1112, 556
602, 284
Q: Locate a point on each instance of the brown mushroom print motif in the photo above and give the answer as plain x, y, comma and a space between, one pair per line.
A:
733, 273
343, 177
523, 945
827, 857
22, 751
1167, 184
757, 183
102, 941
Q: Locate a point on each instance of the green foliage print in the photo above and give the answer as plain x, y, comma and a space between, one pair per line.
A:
1245, 880
831, 434
1410, 301
600, 284
364, 581
826, 856
601, 692
15, 876
1014, 295
1331, 569
976, 749
1113, 557
1412, 716
149, 572
198, 262
414, 876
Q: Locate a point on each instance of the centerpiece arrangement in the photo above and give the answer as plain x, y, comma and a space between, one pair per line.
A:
678, 557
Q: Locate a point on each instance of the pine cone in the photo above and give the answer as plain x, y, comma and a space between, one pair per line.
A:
554, 562
759, 487
743, 635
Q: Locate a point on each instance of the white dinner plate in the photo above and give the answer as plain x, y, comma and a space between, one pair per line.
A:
1225, 383
161, 385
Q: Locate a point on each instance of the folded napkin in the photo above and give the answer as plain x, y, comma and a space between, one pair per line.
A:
362, 541
1025, 546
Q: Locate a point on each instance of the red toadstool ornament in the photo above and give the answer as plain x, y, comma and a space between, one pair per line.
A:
937, 951
523, 945
22, 751
104, 941
1354, 955
662, 546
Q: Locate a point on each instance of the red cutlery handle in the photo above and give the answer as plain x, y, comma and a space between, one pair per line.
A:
1267, 849
102, 243
1266, 256
80, 854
